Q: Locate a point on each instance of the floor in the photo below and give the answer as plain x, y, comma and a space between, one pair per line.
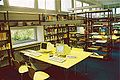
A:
89, 69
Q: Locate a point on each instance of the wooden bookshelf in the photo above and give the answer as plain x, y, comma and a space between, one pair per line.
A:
58, 33
76, 39
95, 33
62, 17
55, 33
5, 44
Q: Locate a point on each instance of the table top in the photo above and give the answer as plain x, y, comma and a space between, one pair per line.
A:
80, 55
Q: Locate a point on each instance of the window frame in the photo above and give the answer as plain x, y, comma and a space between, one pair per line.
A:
26, 41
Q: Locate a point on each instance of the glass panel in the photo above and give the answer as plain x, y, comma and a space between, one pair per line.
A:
41, 4
85, 4
1, 2
65, 5
78, 11
113, 9
78, 4
93, 9
50, 4
85, 10
23, 35
22, 3
117, 10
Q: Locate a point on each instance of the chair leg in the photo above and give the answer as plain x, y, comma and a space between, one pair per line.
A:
49, 78
21, 76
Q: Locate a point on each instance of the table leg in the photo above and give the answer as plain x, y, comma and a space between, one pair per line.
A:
66, 74
86, 68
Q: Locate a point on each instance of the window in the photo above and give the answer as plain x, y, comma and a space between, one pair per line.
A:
93, 9
77, 4
22, 3
46, 4
77, 11
85, 4
50, 4
23, 35
65, 5
117, 10
98, 9
41, 4
113, 9
85, 10
1, 2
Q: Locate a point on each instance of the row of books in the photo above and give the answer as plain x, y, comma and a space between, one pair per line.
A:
3, 36
50, 38
57, 17
3, 26
54, 31
72, 29
51, 18
50, 31
5, 46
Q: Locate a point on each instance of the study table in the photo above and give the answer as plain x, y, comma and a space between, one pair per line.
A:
79, 53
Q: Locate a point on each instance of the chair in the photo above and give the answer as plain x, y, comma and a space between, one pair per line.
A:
37, 75
21, 68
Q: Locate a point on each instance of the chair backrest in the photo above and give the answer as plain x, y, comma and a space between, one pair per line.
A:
19, 57
31, 72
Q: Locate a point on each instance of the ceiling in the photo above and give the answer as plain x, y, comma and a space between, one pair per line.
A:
106, 3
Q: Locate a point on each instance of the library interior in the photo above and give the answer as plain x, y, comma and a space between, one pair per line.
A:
60, 40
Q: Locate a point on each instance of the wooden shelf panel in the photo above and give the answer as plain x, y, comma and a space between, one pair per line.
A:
47, 35
4, 41
2, 31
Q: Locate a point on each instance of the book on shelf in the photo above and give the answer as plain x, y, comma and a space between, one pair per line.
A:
3, 36
5, 46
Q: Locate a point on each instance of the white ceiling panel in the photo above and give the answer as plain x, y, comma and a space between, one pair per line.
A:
108, 2
102, 2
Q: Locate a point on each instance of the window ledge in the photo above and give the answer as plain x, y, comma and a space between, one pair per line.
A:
24, 44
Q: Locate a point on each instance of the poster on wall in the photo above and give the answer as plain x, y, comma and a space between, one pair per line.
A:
1, 2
